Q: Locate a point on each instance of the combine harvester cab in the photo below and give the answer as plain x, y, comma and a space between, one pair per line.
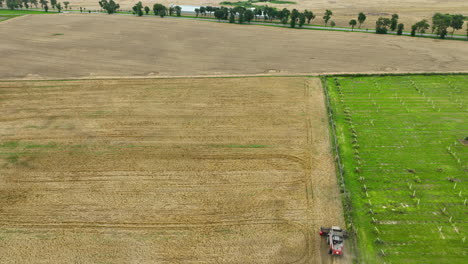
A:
335, 239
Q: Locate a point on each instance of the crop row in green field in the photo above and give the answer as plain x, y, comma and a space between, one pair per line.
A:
404, 159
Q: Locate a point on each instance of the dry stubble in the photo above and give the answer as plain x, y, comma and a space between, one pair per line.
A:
230, 170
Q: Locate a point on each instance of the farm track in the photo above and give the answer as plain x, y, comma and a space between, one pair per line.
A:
231, 170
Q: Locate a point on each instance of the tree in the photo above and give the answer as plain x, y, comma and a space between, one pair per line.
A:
294, 17
394, 22
46, 8
352, 23
294, 14
457, 22
171, 10
197, 12
159, 10
203, 10
241, 18
283, 15
232, 17
219, 14
34, 2
257, 12
209, 9
248, 15
413, 30
400, 29
292, 23
25, 3
381, 25
270, 13
53, 3
12, 4
309, 15
327, 16
65, 4
1, 3
111, 7
332, 23
59, 7
147, 9
138, 9
178, 10
43, 3
421, 26
361, 18
440, 23
302, 19
238, 10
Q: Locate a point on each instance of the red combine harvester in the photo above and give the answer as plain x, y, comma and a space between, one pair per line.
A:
335, 239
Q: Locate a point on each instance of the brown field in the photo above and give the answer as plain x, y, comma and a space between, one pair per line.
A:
410, 11
184, 170
204, 170
69, 46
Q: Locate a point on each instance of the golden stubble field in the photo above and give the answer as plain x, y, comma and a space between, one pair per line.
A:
194, 170
410, 11
74, 45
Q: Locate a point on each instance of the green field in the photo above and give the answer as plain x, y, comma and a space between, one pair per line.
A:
23, 12
405, 165
7, 13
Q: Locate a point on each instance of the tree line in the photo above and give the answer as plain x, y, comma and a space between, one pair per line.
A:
440, 25
14, 4
246, 15
440, 22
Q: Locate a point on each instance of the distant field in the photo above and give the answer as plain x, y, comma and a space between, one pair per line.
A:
410, 11
405, 163
213, 170
182, 47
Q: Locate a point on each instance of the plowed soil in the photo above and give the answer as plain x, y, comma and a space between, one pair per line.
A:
74, 45
214, 170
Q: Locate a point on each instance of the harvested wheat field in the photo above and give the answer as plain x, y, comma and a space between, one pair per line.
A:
201, 170
70, 46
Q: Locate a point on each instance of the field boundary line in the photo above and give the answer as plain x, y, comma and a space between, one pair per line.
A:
284, 74
346, 196
8, 20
